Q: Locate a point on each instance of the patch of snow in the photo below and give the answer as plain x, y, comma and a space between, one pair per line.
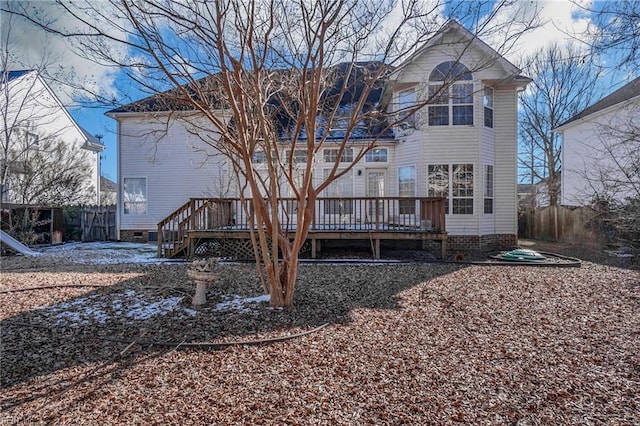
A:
237, 303
105, 253
100, 308
142, 311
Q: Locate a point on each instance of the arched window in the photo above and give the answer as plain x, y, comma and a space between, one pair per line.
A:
450, 95
450, 71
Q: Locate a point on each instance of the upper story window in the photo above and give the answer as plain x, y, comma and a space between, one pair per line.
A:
377, 155
330, 155
259, 157
450, 95
406, 99
299, 156
487, 102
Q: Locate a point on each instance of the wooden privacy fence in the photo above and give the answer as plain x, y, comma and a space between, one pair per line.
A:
557, 223
91, 223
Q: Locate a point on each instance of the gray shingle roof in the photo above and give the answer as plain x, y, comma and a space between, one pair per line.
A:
626, 92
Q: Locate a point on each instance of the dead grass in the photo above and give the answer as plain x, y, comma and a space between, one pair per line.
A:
407, 344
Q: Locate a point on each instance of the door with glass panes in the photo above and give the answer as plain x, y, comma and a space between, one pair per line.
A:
376, 182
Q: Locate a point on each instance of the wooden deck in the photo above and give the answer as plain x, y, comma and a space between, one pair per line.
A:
202, 220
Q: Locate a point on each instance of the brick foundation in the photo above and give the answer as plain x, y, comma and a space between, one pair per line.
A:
485, 242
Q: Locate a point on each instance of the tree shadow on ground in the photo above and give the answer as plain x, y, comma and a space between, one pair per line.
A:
156, 306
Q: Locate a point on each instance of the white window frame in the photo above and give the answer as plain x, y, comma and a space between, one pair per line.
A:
259, 157
406, 99
489, 191
128, 211
334, 190
404, 206
375, 155
330, 155
487, 103
464, 193
450, 100
453, 194
450, 90
299, 156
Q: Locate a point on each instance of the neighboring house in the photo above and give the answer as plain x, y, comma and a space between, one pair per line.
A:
108, 191
462, 147
34, 121
598, 149
527, 195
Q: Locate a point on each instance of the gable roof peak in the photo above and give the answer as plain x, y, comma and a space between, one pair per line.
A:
467, 36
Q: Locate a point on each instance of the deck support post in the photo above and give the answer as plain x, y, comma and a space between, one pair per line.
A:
376, 255
313, 248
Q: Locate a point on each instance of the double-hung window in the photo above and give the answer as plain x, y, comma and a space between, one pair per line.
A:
462, 189
135, 195
487, 102
406, 100
450, 95
438, 182
488, 189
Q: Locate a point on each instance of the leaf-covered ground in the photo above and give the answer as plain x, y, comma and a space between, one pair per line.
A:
405, 344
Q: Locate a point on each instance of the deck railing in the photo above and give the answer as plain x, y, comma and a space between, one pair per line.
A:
373, 214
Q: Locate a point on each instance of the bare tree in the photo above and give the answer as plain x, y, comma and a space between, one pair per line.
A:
36, 165
272, 82
562, 87
613, 32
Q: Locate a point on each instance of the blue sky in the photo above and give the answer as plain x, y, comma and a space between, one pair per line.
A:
561, 17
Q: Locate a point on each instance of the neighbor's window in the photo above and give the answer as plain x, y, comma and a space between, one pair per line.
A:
462, 189
407, 188
377, 155
341, 187
487, 101
450, 95
331, 155
488, 189
135, 195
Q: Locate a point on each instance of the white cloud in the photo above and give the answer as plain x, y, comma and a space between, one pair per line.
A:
30, 47
562, 22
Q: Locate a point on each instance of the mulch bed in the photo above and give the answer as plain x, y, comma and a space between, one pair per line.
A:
405, 344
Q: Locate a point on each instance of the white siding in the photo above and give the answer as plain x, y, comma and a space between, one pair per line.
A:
505, 168
587, 161
170, 183
33, 107
169, 159
475, 144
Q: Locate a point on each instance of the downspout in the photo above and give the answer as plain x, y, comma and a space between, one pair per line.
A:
118, 181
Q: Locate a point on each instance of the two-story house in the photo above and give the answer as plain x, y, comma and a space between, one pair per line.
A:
35, 126
600, 149
460, 146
